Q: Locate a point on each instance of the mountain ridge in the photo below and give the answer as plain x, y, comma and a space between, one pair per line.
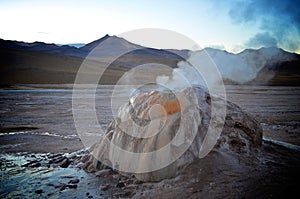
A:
38, 45
262, 61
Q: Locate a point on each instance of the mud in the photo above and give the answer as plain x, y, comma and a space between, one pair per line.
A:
36, 124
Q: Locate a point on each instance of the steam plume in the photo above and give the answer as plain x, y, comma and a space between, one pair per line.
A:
279, 21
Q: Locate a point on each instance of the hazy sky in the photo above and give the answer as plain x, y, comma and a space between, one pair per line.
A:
232, 25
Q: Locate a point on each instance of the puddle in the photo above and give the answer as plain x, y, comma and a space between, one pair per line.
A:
43, 182
36, 133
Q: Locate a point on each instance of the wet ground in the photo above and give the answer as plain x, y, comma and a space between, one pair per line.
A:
36, 121
40, 180
40, 119
276, 108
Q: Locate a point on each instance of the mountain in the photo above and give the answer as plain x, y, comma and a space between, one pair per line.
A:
112, 45
41, 47
76, 45
114, 40
258, 66
285, 72
40, 62
104, 47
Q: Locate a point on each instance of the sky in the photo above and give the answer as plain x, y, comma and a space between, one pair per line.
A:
232, 25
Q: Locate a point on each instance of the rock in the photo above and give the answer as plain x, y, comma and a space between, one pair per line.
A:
39, 191
54, 156
103, 172
60, 186
74, 181
85, 158
80, 165
33, 165
120, 184
131, 186
129, 181
65, 163
72, 186
116, 176
25, 165
104, 187
138, 182
91, 166
56, 160
125, 194
152, 120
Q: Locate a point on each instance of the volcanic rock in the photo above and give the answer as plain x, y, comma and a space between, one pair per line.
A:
179, 123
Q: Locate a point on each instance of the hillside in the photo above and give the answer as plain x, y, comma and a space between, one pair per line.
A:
266, 66
41, 67
22, 63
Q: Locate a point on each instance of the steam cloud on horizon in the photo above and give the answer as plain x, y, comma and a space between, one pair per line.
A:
200, 67
261, 39
279, 22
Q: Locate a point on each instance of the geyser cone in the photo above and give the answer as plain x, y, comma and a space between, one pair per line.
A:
157, 134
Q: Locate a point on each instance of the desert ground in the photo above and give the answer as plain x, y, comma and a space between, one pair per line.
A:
37, 122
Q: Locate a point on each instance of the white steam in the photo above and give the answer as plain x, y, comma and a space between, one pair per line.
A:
200, 67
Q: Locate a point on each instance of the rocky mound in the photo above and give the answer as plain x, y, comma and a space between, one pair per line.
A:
157, 134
